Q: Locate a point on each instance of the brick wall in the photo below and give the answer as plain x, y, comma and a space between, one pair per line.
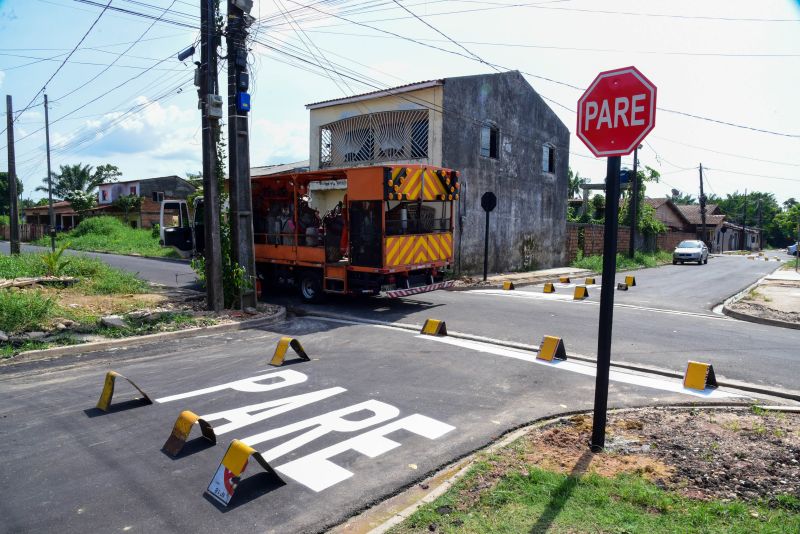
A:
592, 241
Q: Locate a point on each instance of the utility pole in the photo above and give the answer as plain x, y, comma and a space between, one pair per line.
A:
760, 231
634, 207
13, 214
241, 222
744, 221
702, 207
50, 212
212, 112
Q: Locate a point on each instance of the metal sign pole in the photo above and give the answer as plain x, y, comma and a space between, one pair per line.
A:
606, 305
486, 248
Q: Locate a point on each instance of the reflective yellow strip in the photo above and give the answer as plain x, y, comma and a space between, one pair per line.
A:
435, 241
696, 374
236, 457
396, 172
184, 423
447, 244
408, 243
436, 183
392, 248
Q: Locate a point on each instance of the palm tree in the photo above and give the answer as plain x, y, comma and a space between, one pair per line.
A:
79, 177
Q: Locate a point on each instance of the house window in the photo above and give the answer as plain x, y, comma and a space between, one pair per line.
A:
104, 194
158, 196
548, 159
490, 141
133, 190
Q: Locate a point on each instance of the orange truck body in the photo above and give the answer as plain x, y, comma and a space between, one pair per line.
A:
391, 232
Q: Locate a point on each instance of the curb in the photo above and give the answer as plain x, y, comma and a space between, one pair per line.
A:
525, 282
759, 320
79, 251
85, 348
735, 384
460, 466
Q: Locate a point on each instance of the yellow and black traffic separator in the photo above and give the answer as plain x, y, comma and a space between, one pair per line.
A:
108, 391
590, 281
699, 376
580, 293
622, 286
508, 285
552, 348
231, 469
751, 257
563, 279
434, 327
549, 288
630, 281
180, 432
283, 345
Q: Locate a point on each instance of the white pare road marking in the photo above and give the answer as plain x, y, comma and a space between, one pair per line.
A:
247, 415
625, 112
317, 471
278, 379
663, 384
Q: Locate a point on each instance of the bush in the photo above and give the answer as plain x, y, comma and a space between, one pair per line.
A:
24, 310
99, 226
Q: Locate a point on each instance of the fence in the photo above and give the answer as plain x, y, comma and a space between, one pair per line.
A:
27, 232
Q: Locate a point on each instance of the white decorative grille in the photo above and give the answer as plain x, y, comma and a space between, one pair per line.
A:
375, 137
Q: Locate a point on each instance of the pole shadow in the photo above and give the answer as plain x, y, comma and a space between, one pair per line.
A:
562, 494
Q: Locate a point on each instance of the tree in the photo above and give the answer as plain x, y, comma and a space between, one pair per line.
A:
786, 225
683, 198
127, 204
575, 182
79, 177
789, 203
195, 178
4, 207
80, 201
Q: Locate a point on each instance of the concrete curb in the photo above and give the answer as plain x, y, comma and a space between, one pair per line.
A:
759, 320
526, 282
85, 348
79, 251
735, 384
441, 480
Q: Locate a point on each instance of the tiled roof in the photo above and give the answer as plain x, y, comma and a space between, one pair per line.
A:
692, 212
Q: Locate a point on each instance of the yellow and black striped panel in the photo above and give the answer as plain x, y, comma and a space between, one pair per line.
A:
405, 183
418, 249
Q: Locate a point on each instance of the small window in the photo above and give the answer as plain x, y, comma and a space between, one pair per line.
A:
548, 159
490, 141
104, 194
158, 196
133, 190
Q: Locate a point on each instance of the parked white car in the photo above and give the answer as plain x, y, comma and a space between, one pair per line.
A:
690, 251
792, 250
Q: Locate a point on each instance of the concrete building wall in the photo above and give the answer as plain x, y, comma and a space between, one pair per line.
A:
430, 97
528, 226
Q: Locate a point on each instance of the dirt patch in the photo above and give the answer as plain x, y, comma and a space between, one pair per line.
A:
721, 453
774, 299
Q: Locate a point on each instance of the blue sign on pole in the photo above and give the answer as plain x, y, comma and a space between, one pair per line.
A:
624, 176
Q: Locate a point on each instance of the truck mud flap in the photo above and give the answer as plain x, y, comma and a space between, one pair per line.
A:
395, 293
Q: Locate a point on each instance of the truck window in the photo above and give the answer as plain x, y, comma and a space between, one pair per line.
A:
414, 217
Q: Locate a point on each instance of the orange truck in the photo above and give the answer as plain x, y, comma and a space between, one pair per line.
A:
357, 231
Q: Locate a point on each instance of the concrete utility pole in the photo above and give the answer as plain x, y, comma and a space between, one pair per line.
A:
702, 207
239, 151
634, 207
50, 212
13, 213
211, 116
760, 231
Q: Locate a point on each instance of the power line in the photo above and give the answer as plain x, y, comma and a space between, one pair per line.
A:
140, 14
755, 175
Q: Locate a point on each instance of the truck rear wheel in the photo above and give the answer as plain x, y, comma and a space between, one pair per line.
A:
310, 283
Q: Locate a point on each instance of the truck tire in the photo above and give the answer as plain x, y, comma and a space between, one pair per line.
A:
310, 284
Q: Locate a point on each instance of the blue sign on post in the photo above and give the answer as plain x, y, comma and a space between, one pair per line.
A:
624, 176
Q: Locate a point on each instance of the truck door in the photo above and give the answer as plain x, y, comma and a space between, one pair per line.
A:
175, 229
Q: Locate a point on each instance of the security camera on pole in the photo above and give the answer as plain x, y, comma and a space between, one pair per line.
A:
615, 114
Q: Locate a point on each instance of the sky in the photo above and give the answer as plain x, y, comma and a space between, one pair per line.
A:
124, 98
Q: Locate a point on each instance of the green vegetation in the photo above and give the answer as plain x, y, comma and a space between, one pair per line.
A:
542, 501
108, 234
168, 321
624, 263
24, 310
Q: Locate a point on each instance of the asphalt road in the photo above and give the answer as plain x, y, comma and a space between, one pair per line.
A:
168, 272
663, 322
69, 468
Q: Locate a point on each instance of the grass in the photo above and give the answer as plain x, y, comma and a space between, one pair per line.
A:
542, 501
168, 321
22, 311
625, 263
108, 234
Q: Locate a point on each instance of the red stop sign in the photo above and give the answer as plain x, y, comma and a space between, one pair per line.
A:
616, 112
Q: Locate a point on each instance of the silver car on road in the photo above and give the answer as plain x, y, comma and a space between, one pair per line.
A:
690, 251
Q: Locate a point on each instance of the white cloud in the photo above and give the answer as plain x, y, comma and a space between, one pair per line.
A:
278, 142
2, 77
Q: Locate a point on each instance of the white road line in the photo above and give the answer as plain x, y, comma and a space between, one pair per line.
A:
664, 384
563, 297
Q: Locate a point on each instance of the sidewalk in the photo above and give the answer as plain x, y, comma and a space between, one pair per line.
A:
520, 279
774, 301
